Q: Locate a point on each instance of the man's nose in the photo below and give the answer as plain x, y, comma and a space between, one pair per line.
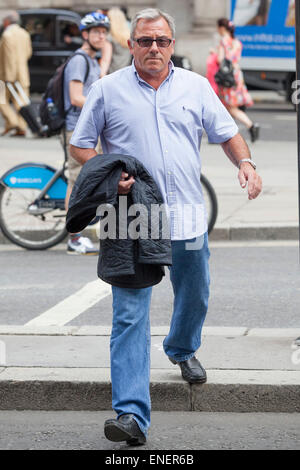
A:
154, 47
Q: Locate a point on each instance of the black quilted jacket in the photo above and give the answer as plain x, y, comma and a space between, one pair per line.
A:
122, 262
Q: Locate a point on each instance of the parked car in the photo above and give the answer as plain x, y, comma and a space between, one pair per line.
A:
55, 35
48, 28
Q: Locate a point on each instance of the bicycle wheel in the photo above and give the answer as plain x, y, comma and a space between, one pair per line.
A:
28, 230
211, 202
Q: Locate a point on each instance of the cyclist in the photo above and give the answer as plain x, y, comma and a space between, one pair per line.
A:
82, 70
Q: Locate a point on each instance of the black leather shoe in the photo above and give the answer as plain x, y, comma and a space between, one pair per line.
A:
191, 370
254, 132
124, 429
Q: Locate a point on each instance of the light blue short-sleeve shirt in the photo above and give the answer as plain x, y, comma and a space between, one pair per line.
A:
77, 69
161, 128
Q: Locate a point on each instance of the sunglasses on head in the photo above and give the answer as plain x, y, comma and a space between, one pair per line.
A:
147, 42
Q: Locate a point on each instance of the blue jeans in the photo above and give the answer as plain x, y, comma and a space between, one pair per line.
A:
130, 337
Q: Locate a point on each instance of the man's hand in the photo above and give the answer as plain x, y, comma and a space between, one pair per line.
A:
247, 174
125, 184
234, 148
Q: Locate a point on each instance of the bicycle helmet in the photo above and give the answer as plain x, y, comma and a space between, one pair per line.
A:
94, 19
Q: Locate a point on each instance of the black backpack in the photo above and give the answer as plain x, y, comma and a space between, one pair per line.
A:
225, 75
55, 91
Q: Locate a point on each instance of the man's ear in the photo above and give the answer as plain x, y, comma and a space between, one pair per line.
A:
130, 45
85, 35
173, 45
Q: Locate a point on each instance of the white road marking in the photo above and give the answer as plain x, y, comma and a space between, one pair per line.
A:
72, 306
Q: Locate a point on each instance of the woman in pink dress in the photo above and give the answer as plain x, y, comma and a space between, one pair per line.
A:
212, 67
238, 96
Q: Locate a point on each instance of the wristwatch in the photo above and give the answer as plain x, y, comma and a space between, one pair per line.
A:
249, 161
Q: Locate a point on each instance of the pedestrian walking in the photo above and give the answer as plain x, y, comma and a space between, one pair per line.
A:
118, 36
212, 67
106, 57
157, 113
15, 51
106, 52
237, 96
81, 71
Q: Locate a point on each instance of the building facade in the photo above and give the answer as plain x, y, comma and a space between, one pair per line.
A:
195, 19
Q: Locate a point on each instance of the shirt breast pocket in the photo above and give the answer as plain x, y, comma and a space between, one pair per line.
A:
191, 119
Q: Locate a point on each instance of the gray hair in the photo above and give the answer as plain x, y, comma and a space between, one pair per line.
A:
13, 17
152, 14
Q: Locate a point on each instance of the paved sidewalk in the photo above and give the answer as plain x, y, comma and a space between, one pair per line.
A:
67, 368
272, 216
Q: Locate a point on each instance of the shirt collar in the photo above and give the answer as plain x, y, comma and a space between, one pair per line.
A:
171, 71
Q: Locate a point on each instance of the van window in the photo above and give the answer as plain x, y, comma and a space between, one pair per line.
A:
68, 34
251, 12
40, 28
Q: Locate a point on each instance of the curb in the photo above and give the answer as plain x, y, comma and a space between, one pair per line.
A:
98, 330
242, 233
246, 387
90, 390
219, 233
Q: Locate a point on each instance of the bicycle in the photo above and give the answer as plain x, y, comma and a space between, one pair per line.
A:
32, 205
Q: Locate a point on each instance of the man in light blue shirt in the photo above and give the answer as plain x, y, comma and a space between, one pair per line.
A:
158, 113
162, 128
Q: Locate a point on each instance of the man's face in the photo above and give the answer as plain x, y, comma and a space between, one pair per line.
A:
152, 60
96, 36
74, 30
